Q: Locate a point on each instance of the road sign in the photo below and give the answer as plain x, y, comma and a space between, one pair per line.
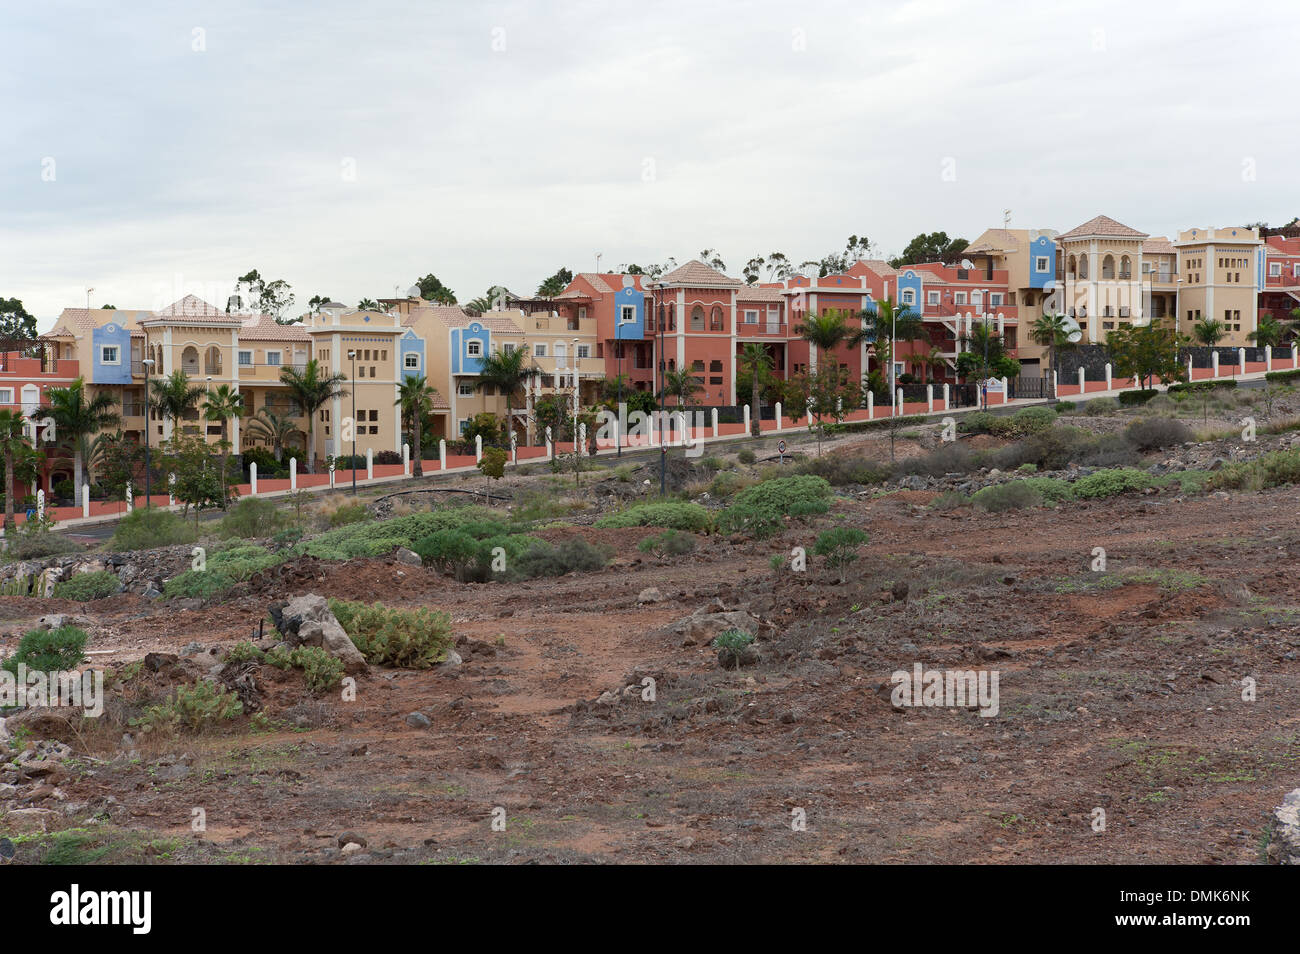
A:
780, 449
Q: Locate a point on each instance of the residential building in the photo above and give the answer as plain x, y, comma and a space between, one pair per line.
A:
1279, 292
1222, 271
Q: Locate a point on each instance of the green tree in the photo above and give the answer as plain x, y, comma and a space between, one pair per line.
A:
1268, 332
1209, 331
223, 404
828, 394
77, 419
682, 385
12, 442
416, 400
1146, 352
755, 365
367, 304
121, 463
775, 267
431, 289
1053, 333
173, 397
552, 286
254, 293
316, 301
931, 247
855, 247
274, 429
311, 389
839, 546
15, 322
507, 371
826, 331
199, 484
493, 465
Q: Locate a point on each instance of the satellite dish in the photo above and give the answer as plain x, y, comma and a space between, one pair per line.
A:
967, 264
1074, 337
413, 291
629, 281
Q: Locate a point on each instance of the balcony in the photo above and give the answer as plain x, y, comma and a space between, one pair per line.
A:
762, 329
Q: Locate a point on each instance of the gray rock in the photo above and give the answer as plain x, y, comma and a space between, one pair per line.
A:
408, 557
418, 720
307, 621
650, 594
452, 661
350, 838
1284, 846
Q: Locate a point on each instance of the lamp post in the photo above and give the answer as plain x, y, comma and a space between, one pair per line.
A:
148, 363
656, 303
352, 356
618, 408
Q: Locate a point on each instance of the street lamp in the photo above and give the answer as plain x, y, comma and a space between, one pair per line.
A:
148, 363
352, 355
618, 409
577, 397
657, 304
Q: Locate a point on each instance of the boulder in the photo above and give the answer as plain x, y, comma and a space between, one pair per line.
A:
1284, 846
307, 621
700, 627
650, 594
408, 557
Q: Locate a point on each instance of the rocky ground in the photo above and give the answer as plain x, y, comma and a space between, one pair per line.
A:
1119, 690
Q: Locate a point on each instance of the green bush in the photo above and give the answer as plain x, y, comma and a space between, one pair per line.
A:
980, 422
378, 537
34, 540
949, 500
1136, 398
197, 707
244, 651
1196, 387
251, 518
574, 555
1152, 433
49, 650
144, 528
747, 456
1108, 483
675, 516
840, 470
85, 587
348, 513
1101, 406
1283, 375
1274, 469
1012, 496
448, 551
760, 510
321, 670
197, 584
668, 544
839, 546
406, 638
1051, 490
1030, 420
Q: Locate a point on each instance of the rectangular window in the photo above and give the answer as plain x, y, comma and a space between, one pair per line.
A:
627, 314
508, 348
245, 359
932, 298
412, 361
6, 395
751, 316
108, 354
584, 351
539, 350
909, 297
960, 298
273, 358
1040, 263
466, 390
473, 348
995, 298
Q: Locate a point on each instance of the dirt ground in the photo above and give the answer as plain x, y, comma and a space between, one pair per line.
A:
1119, 691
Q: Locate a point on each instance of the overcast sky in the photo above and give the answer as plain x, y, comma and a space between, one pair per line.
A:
166, 147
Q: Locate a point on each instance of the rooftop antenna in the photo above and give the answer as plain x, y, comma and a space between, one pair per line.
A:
598, 257
88, 291
1006, 217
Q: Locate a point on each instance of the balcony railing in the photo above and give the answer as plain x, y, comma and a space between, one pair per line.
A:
133, 410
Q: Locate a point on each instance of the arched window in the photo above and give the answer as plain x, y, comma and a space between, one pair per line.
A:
1108, 267
1125, 267
1083, 266
715, 319
697, 318
212, 360
190, 360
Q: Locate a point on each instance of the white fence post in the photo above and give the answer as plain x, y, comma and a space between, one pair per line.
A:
1214, 363
478, 448
1241, 360
331, 475
171, 490
747, 419
130, 498
1268, 357
945, 396
778, 415
85, 500
252, 479
293, 473
1108, 375
929, 397
1083, 382
898, 401
1189, 367
1006, 390
442, 453
871, 404
370, 463
406, 460
715, 422
550, 447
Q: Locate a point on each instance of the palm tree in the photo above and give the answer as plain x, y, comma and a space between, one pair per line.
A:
507, 371
755, 363
416, 398
1209, 331
828, 331
681, 385
1268, 333
76, 419
173, 396
933, 363
12, 440
223, 404
312, 389
1053, 333
367, 304
274, 429
890, 322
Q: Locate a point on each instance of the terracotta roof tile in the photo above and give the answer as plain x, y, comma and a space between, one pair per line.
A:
695, 274
266, 328
759, 293
1158, 245
1102, 225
